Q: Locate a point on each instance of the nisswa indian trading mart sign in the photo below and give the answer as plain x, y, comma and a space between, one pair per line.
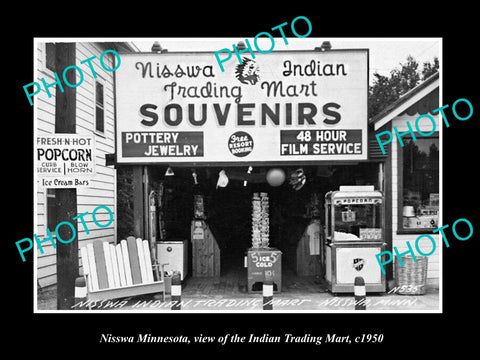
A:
278, 107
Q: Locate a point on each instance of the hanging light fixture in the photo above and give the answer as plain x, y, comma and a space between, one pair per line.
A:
222, 179
275, 177
249, 171
297, 179
169, 172
194, 175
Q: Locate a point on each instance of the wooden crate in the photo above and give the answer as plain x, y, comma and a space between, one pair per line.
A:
205, 251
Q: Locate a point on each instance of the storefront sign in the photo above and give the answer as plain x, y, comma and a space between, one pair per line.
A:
264, 259
357, 201
278, 107
370, 234
65, 160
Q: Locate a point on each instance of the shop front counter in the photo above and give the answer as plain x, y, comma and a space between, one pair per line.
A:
264, 264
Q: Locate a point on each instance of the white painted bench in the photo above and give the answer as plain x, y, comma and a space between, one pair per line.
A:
122, 270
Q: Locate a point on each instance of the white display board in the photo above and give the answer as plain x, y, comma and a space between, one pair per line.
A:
277, 107
357, 261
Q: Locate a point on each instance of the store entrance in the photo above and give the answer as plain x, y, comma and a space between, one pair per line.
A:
228, 216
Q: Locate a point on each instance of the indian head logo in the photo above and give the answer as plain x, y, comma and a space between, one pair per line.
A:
247, 72
358, 264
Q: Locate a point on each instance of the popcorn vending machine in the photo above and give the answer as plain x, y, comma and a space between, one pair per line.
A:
354, 234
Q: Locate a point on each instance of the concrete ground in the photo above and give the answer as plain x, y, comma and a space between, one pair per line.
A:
298, 301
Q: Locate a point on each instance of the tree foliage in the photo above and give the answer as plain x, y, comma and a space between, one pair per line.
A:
386, 89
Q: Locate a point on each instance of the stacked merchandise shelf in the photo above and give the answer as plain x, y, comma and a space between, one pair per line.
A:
260, 221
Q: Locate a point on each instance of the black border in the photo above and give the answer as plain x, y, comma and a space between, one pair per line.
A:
411, 335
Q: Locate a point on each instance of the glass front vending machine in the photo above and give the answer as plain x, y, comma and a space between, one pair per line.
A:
354, 234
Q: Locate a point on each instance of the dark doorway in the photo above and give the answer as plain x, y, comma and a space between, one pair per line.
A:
229, 216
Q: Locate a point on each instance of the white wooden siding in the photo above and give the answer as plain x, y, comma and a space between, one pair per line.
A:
400, 240
102, 189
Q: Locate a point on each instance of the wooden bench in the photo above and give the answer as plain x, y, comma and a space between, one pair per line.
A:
122, 270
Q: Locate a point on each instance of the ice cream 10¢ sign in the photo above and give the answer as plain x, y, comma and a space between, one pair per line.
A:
278, 107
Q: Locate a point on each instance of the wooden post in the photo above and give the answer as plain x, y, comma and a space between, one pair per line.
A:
66, 199
146, 219
176, 291
360, 294
388, 187
267, 291
67, 254
80, 292
138, 218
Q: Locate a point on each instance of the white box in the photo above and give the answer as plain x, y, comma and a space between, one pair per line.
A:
175, 254
353, 262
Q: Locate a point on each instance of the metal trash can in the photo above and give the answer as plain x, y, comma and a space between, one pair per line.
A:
411, 278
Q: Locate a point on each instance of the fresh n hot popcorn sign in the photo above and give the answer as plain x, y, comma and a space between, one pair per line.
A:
278, 107
65, 160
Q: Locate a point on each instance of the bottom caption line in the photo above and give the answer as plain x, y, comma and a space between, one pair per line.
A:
246, 339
